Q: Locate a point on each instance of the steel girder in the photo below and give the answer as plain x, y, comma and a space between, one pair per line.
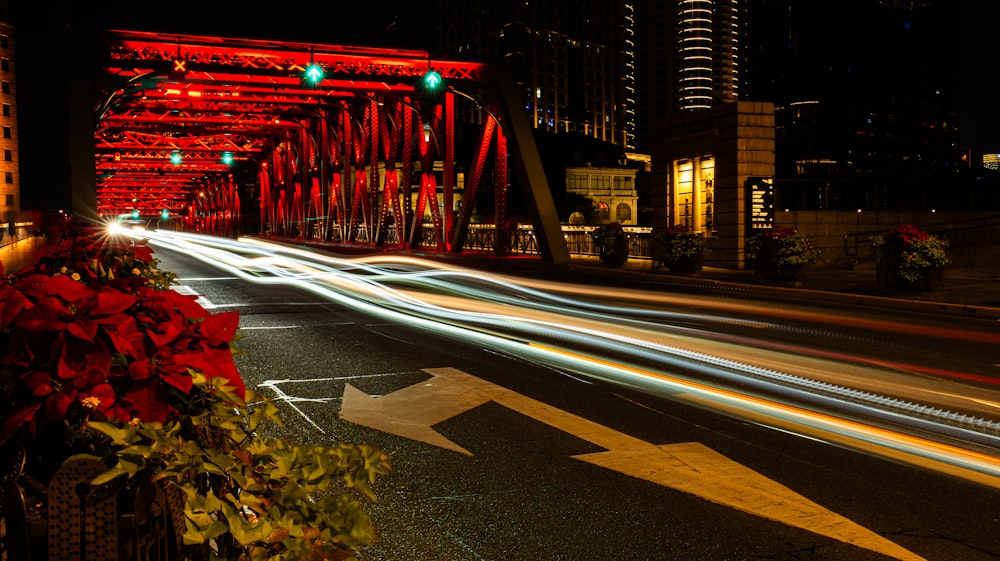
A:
336, 160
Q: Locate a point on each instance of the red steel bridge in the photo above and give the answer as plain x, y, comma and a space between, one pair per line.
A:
327, 142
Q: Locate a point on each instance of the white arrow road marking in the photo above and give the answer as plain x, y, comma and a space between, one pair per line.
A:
689, 467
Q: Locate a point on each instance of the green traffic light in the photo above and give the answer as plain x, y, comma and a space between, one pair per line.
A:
164, 214
432, 81
314, 73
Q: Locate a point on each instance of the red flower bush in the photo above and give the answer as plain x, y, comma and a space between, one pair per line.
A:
789, 248
92, 331
100, 358
915, 250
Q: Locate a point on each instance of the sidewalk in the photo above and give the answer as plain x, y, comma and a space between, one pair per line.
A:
965, 292
18, 254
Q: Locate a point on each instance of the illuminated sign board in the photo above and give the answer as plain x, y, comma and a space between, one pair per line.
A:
760, 191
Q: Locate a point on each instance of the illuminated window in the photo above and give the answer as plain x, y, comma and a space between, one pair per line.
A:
603, 212
623, 213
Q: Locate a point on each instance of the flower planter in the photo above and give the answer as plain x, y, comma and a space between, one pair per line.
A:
781, 255
69, 518
909, 259
770, 271
679, 249
144, 370
768, 268
688, 264
887, 274
615, 255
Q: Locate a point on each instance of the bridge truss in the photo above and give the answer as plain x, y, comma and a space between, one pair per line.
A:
207, 131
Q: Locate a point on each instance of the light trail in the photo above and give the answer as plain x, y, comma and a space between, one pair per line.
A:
644, 346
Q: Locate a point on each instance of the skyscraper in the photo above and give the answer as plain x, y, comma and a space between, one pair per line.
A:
603, 69
10, 191
571, 59
688, 57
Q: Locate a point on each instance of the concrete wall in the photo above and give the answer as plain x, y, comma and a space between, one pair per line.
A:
973, 237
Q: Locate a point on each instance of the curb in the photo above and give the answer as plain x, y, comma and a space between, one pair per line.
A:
809, 294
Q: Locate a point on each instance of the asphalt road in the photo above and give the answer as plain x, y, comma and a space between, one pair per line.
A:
534, 462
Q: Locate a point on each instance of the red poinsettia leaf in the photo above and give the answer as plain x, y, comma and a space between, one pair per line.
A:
220, 328
166, 335
185, 304
67, 288
82, 359
58, 404
106, 396
139, 370
142, 251
11, 304
43, 316
37, 383
85, 330
109, 303
200, 361
158, 306
149, 401
17, 420
180, 380
125, 335
213, 362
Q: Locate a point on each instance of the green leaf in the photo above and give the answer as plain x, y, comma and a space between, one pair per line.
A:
119, 435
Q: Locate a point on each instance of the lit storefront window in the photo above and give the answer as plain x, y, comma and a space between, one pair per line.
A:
693, 201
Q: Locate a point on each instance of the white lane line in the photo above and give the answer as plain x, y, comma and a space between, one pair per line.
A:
204, 302
189, 279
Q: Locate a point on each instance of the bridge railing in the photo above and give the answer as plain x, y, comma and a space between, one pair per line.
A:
518, 240
521, 239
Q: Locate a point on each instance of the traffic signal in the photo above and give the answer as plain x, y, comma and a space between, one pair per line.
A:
175, 158
135, 213
227, 158
313, 74
164, 214
433, 83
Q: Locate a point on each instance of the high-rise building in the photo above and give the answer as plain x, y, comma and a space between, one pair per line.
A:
688, 57
603, 69
571, 59
10, 191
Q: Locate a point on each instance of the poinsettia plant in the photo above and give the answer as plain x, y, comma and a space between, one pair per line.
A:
783, 247
606, 236
677, 242
100, 357
916, 249
90, 332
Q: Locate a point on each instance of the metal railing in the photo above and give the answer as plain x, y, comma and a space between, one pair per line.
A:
518, 240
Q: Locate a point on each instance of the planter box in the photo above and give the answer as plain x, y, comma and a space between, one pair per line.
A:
887, 274
616, 255
688, 264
